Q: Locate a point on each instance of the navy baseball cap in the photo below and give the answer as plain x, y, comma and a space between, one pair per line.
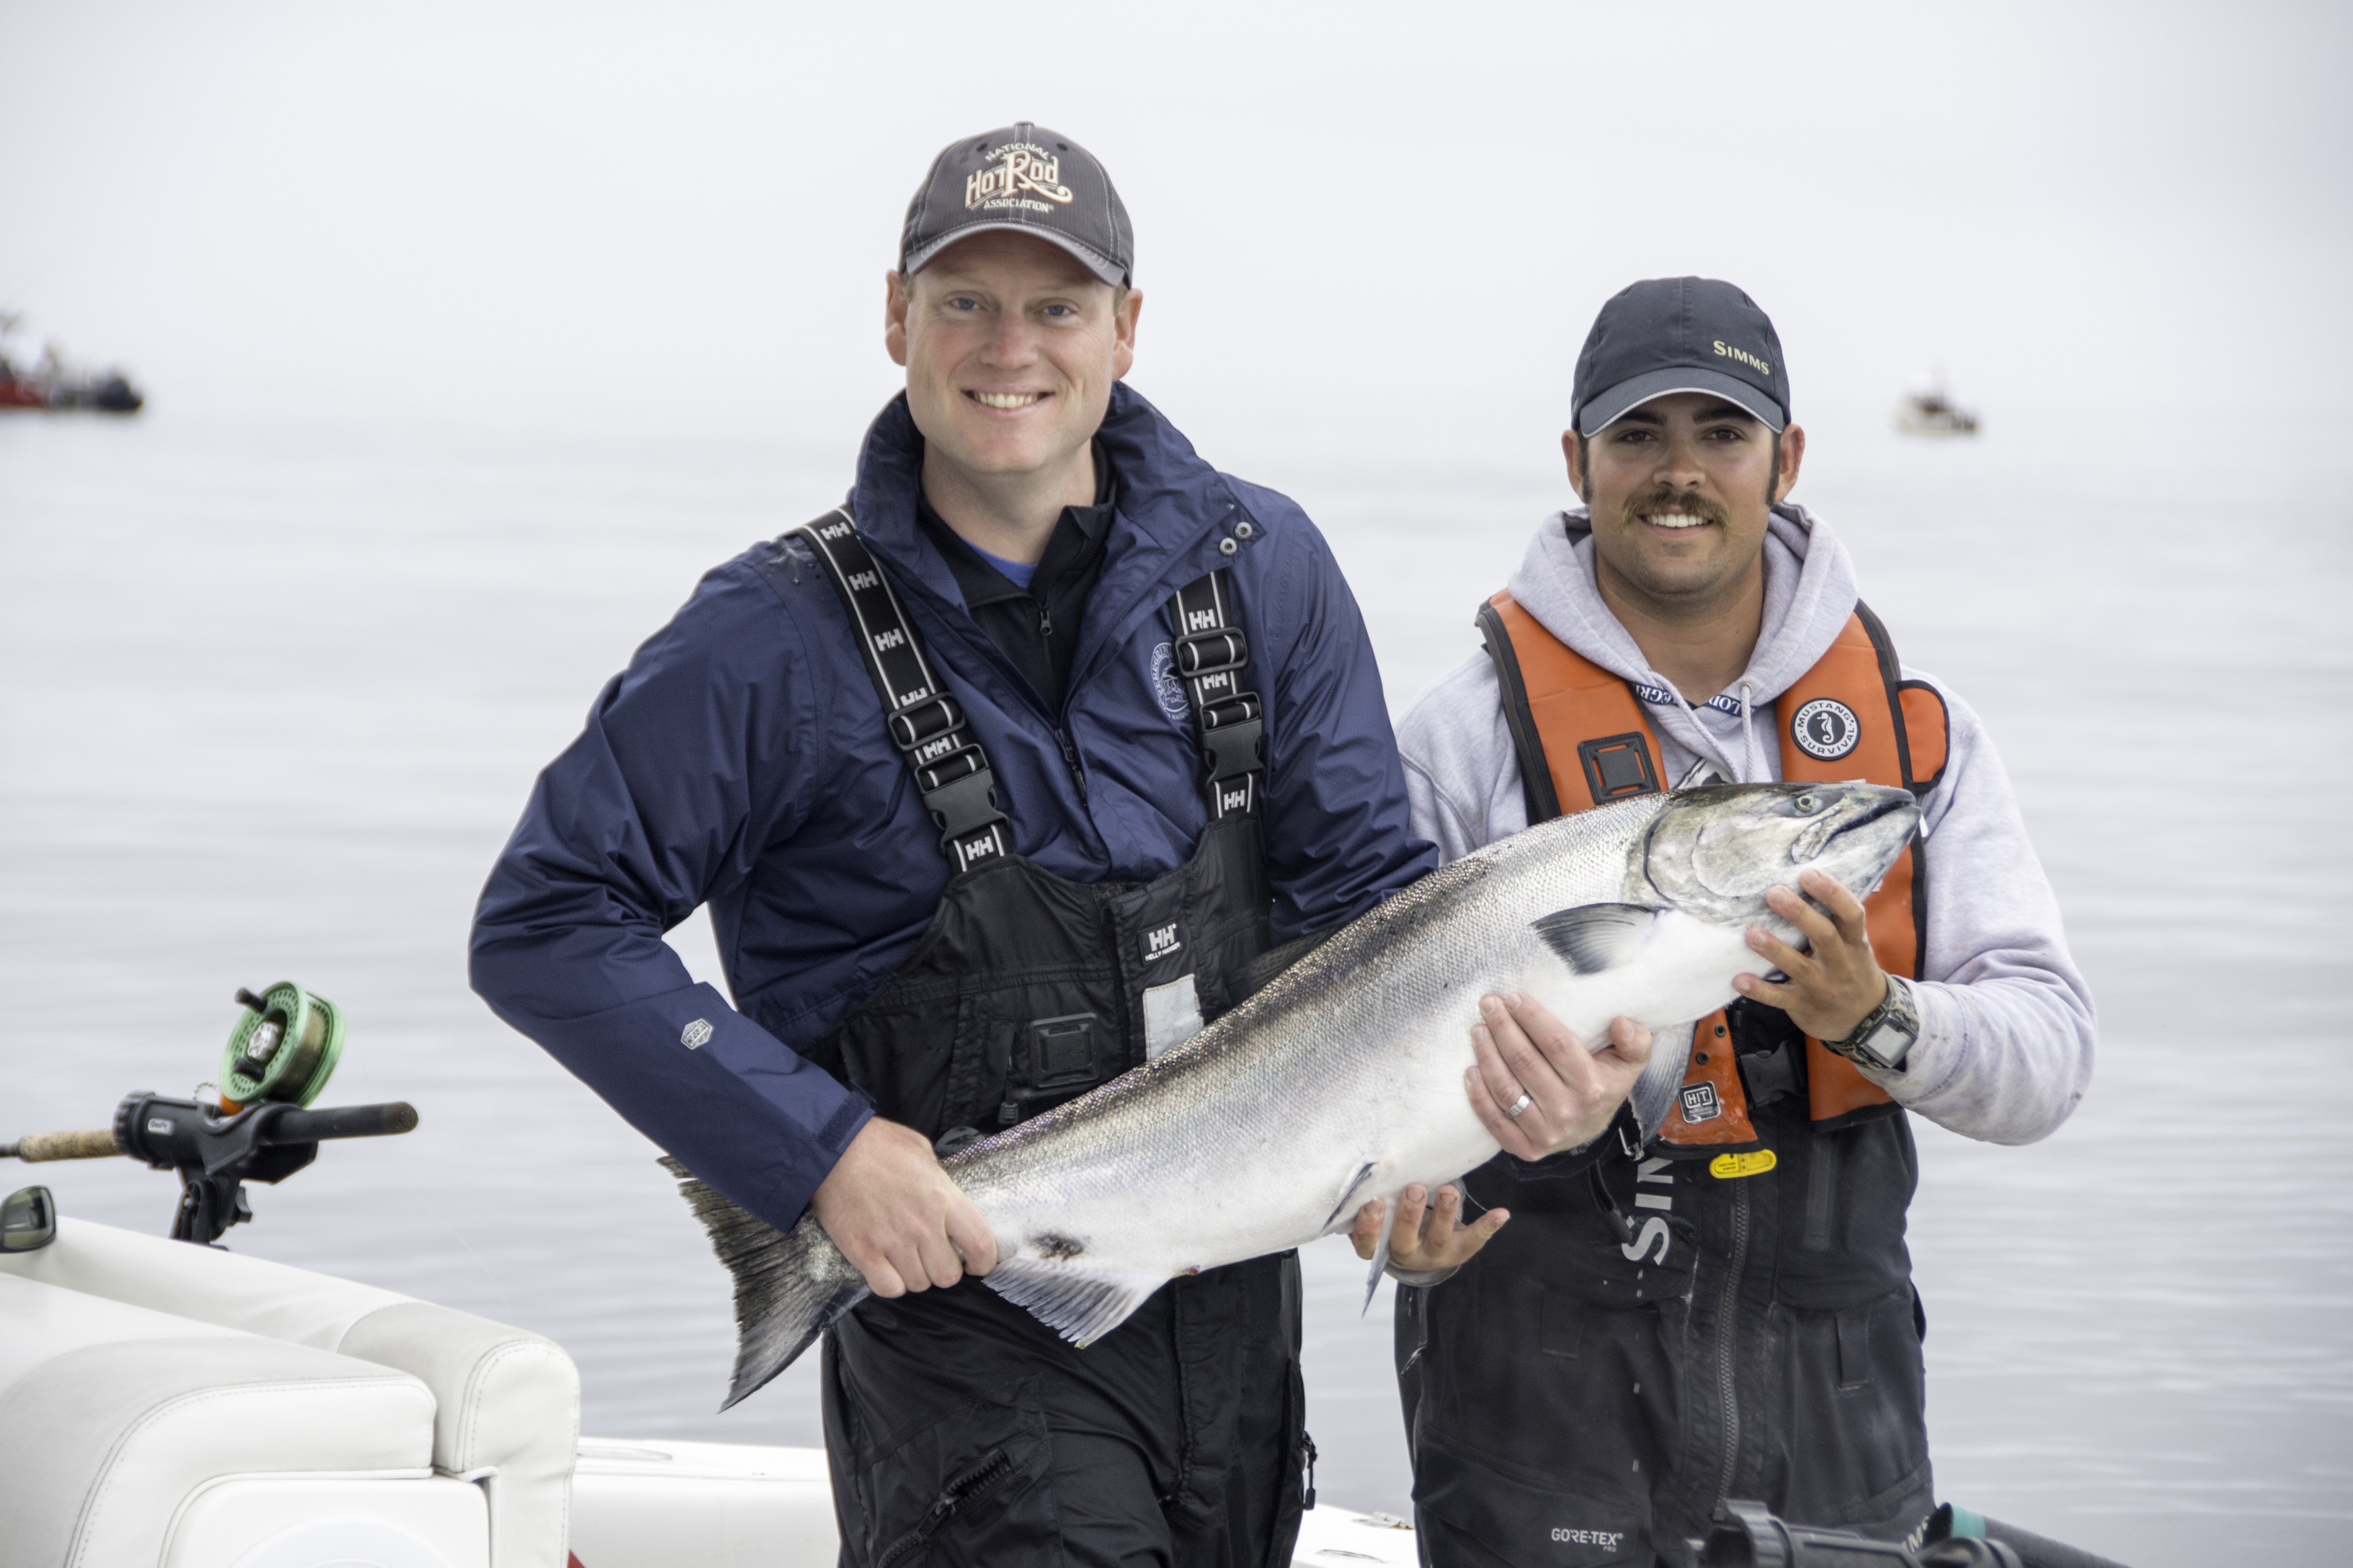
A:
1029, 180
1665, 335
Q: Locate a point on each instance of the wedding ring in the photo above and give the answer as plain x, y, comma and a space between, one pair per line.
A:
1514, 1109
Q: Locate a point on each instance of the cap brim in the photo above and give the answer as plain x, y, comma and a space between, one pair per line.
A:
1606, 407
1093, 260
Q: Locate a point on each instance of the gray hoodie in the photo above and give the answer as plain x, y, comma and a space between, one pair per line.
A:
2006, 1045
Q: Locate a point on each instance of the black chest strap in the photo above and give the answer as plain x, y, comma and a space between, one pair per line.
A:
1211, 653
951, 770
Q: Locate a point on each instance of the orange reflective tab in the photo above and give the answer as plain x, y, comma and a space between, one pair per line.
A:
1711, 1110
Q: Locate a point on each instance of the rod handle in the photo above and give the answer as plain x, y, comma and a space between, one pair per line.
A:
96, 1144
343, 1121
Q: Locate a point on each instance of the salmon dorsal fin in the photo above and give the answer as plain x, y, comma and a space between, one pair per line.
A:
1591, 938
1081, 1303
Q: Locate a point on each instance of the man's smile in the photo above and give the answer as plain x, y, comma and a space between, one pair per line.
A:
1007, 400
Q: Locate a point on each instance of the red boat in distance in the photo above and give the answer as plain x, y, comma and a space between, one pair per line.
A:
50, 384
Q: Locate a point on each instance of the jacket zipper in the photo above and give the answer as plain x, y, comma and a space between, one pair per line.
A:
1727, 1352
1070, 761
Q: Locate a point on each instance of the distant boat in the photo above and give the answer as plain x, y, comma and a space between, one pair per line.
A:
51, 383
1931, 413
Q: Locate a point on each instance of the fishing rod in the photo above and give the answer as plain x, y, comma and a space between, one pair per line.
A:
285, 1045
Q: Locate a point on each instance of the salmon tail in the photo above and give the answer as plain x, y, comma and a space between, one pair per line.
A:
790, 1286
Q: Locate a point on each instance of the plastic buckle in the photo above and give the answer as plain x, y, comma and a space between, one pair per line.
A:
960, 763
962, 806
1232, 750
1206, 652
1233, 710
911, 727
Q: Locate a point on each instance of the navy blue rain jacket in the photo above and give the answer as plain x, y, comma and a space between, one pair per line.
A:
741, 761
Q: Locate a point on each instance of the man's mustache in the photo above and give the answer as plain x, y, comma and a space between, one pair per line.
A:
1681, 503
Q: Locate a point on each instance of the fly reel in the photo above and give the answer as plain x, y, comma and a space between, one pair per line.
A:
282, 1050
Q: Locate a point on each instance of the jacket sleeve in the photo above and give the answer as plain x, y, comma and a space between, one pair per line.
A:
685, 769
1338, 836
2007, 1027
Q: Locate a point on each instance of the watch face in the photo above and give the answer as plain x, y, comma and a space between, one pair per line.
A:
1886, 1043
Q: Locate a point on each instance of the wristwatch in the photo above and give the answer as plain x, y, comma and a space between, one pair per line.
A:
1886, 1032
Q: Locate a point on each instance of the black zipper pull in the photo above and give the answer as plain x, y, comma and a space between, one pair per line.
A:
1070, 761
1045, 622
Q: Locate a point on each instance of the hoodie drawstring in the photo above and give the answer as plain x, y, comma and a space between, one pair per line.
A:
1752, 754
1755, 757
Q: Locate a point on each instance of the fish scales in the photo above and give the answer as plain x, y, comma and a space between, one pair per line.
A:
1342, 1081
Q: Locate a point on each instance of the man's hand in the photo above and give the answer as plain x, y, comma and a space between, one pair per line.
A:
1428, 1234
897, 1216
1572, 1093
1835, 986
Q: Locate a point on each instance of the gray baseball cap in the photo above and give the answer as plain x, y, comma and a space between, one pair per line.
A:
1027, 179
1665, 335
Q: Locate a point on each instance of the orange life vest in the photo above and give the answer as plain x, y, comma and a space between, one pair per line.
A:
1583, 739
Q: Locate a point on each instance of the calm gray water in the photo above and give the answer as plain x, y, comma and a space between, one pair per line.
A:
271, 696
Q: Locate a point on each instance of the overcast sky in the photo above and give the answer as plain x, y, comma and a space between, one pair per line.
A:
1379, 231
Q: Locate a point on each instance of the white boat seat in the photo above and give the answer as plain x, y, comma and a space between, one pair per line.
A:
112, 1416
504, 1404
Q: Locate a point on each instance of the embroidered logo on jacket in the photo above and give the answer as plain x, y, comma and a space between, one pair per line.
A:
695, 1035
1166, 689
1826, 728
1018, 171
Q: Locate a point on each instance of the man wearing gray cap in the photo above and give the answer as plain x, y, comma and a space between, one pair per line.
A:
1047, 745
1721, 1306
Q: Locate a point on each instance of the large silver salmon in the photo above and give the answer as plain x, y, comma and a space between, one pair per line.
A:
1342, 1080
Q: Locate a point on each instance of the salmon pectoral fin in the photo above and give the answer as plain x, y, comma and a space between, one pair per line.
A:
1381, 1256
1591, 938
1079, 1302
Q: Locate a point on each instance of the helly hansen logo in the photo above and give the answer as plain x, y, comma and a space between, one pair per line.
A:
833, 531
980, 849
909, 699
885, 641
1700, 1103
1162, 941
1233, 799
695, 1036
865, 580
934, 749
1654, 1173
1200, 620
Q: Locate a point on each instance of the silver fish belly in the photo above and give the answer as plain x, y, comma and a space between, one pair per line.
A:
1342, 1080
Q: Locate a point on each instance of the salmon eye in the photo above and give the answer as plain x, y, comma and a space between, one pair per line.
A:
1808, 804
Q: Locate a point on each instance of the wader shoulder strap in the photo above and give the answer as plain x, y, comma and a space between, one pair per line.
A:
951, 770
1581, 737
1211, 652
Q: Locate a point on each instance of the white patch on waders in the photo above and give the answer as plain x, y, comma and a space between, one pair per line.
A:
1172, 1015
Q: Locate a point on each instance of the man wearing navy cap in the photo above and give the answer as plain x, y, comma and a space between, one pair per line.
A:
1719, 1307
1047, 745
